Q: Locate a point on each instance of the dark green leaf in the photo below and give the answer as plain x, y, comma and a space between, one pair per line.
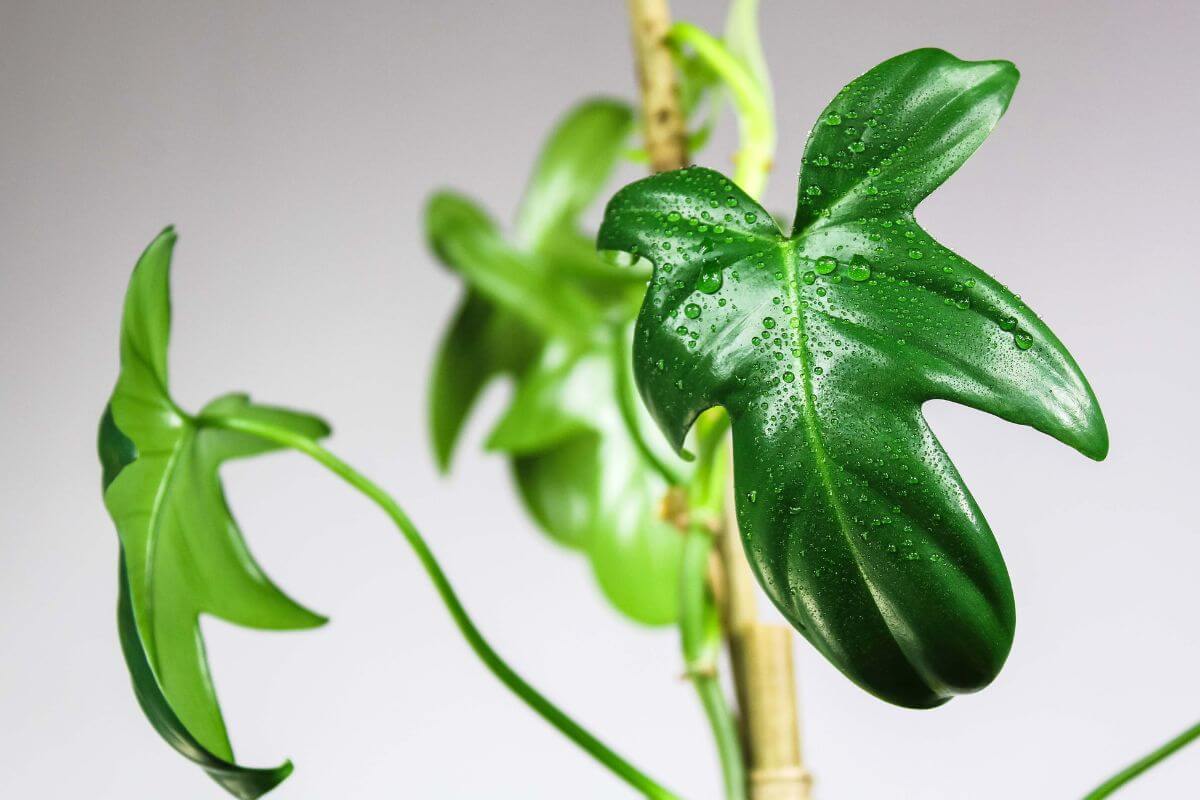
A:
822, 346
182, 554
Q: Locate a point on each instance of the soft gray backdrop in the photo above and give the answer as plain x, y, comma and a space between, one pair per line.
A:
294, 143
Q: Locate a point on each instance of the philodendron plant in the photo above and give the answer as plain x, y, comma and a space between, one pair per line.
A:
693, 334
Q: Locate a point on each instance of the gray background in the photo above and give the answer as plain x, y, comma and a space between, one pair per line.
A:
294, 143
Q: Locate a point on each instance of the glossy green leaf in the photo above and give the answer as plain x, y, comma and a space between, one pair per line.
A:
182, 554
823, 346
577, 469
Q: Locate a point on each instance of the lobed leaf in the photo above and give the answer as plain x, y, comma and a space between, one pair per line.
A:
182, 554
823, 345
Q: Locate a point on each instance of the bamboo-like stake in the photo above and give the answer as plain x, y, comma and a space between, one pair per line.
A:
662, 116
765, 677
761, 653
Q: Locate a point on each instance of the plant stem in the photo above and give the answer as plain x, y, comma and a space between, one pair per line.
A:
547, 710
755, 119
662, 117
625, 402
1146, 762
701, 640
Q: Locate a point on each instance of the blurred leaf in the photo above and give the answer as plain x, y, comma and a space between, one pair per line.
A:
582, 477
482, 343
182, 554
743, 42
466, 240
822, 346
574, 165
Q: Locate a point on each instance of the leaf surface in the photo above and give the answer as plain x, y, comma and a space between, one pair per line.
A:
182, 554
577, 470
823, 345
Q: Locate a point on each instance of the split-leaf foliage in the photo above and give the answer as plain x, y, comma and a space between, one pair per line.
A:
822, 345
181, 553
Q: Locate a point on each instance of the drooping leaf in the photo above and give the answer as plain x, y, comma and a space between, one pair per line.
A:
482, 343
823, 345
182, 554
580, 475
585, 481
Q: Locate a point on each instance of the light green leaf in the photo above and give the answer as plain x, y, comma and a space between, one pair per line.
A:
581, 475
466, 240
182, 552
586, 482
573, 167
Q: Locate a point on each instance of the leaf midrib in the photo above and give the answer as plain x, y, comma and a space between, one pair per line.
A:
811, 424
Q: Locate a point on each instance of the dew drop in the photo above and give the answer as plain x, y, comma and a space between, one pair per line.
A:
710, 282
691, 311
826, 265
860, 269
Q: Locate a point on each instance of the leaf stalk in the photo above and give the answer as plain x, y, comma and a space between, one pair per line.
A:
491, 659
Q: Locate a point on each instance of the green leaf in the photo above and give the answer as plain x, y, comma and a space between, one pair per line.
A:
584, 480
532, 312
481, 343
573, 167
466, 240
823, 346
182, 554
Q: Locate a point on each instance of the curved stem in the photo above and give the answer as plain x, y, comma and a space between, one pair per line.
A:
1146, 762
490, 658
625, 402
755, 119
701, 638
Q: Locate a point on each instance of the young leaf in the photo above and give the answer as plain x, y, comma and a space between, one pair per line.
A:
586, 482
182, 554
823, 345
465, 238
482, 342
573, 167
581, 476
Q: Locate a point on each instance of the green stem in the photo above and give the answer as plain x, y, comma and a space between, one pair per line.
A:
625, 402
1146, 762
701, 638
547, 710
756, 122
